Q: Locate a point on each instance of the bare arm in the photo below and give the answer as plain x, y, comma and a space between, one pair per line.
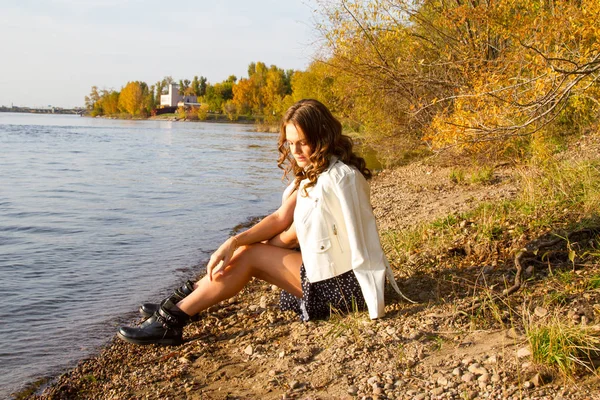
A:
267, 228
286, 239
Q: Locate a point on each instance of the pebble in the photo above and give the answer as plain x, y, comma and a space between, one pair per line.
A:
457, 372
528, 385
523, 352
442, 381
420, 396
372, 380
437, 391
249, 350
468, 377
352, 390
540, 311
294, 385
491, 360
477, 369
496, 378
263, 302
484, 378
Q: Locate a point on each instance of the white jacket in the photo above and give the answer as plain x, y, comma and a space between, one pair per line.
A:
337, 233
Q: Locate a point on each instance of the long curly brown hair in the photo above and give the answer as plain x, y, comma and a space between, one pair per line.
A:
323, 134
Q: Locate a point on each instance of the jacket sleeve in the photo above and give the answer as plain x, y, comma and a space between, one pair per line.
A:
368, 260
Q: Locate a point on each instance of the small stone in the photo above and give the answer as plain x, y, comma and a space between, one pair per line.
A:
529, 270
282, 354
537, 380
294, 385
442, 381
540, 311
420, 396
272, 372
472, 395
253, 307
437, 391
274, 287
377, 390
184, 360
457, 372
491, 360
523, 352
372, 380
249, 350
466, 361
513, 333
468, 377
263, 302
477, 369
352, 390
389, 386
485, 378
231, 300
496, 378
527, 385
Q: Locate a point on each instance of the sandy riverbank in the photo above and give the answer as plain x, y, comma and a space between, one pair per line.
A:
247, 349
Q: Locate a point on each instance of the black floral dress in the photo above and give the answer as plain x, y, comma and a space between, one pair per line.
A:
341, 294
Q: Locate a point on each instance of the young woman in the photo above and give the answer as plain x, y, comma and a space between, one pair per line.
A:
325, 211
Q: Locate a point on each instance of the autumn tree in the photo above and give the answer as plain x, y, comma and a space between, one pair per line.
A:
132, 98
461, 73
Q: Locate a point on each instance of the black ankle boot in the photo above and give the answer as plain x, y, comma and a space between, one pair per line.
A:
164, 327
148, 309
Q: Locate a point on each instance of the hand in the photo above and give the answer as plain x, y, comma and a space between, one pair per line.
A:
220, 259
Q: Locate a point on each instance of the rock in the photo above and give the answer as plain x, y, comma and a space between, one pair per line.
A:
485, 378
468, 377
527, 385
523, 352
513, 333
477, 369
294, 385
538, 380
472, 395
353, 390
442, 381
420, 396
540, 311
491, 360
249, 350
457, 372
496, 378
437, 391
263, 302
377, 390
281, 354
373, 380
466, 361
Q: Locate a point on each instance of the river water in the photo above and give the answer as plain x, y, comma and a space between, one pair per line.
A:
98, 215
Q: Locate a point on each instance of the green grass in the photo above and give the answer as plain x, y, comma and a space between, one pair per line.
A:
483, 176
562, 346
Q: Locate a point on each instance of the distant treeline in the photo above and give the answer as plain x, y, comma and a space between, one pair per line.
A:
509, 77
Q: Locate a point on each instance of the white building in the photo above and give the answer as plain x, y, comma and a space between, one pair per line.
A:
174, 99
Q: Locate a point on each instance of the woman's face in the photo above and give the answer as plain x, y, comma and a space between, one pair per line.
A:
298, 145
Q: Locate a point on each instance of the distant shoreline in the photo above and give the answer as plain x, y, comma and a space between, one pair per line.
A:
51, 110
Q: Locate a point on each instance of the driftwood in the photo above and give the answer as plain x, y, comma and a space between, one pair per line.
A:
524, 255
530, 255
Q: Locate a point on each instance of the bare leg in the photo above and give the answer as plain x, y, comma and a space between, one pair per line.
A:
272, 264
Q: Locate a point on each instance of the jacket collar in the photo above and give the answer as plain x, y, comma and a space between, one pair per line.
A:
332, 161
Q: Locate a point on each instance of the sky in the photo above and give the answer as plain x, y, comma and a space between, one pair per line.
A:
53, 51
